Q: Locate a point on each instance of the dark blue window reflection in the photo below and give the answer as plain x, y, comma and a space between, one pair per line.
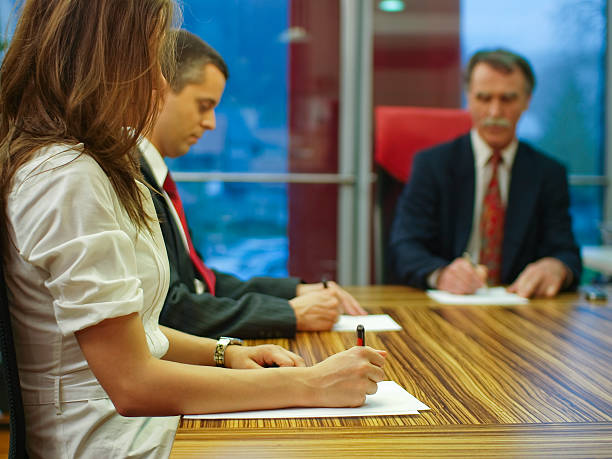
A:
238, 227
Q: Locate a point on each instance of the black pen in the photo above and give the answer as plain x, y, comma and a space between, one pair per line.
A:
324, 282
360, 335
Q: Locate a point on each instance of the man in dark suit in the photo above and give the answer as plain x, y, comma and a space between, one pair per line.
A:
487, 198
202, 301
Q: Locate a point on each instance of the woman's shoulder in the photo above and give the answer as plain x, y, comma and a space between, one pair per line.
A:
54, 157
59, 162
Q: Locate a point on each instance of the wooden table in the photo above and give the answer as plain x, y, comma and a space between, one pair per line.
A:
521, 381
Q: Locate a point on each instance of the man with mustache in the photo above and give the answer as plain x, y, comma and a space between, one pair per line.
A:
486, 208
203, 301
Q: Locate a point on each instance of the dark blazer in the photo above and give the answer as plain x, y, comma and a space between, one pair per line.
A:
257, 308
433, 218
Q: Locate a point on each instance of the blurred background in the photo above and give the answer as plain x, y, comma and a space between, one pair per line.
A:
285, 183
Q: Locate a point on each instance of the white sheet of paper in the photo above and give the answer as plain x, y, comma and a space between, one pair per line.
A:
371, 322
493, 296
390, 400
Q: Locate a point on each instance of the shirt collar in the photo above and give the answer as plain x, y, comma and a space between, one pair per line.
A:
155, 161
482, 151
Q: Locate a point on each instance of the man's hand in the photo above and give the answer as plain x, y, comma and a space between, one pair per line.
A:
267, 355
317, 310
461, 277
543, 278
348, 304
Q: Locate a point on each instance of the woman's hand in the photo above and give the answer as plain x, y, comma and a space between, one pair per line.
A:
267, 355
344, 379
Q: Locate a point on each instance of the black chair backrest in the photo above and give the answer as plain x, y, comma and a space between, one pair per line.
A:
388, 189
17, 447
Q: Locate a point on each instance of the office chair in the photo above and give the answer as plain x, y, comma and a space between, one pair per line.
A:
17, 447
400, 133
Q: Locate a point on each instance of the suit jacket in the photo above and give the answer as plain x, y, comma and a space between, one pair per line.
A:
257, 308
433, 219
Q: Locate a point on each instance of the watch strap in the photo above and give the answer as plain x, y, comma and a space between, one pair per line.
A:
221, 346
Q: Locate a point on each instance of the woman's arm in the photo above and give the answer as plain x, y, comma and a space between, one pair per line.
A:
194, 350
187, 348
141, 385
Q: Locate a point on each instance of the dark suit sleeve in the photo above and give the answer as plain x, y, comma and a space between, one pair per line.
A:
253, 309
557, 239
415, 231
244, 313
230, 286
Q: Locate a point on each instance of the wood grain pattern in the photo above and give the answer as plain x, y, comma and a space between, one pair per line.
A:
530, 380
4, 440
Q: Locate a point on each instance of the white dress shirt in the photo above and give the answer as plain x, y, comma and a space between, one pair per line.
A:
160, 171
77, 260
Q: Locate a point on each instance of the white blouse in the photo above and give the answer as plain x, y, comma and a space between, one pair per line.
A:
77, 260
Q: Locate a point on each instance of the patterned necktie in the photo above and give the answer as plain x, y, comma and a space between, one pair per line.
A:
492, 224
207, 274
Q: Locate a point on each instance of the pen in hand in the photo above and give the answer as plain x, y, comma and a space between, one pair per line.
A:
360, 335
476, 268
468, 258
324, 282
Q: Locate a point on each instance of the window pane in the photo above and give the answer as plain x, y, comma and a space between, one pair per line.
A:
251, 134
565, 41
586, 210
279, 114
239, 228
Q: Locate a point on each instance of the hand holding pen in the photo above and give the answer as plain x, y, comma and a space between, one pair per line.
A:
347, 304
462, 276
351, 375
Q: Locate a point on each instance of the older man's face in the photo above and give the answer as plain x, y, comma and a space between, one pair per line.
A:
496, 101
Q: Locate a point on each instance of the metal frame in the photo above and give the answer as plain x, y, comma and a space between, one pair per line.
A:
249, 177
355, 133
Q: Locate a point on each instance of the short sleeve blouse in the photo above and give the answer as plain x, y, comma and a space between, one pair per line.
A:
77, 260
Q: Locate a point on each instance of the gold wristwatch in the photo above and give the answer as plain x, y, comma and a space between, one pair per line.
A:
222, 344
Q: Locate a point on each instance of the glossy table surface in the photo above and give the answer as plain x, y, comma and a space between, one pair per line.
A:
521, 381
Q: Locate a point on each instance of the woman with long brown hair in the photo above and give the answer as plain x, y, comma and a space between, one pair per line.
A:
84, 257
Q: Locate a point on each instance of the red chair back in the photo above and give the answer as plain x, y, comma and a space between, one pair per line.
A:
403, 131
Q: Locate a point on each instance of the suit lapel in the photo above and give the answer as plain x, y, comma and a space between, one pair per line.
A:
521, 201
463, 189
147, 173
172, 236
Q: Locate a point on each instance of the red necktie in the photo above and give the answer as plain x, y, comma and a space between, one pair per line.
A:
207, 274
492, 224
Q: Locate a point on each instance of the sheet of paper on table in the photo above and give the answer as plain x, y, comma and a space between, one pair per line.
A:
390, 400
491, 296
371, 322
